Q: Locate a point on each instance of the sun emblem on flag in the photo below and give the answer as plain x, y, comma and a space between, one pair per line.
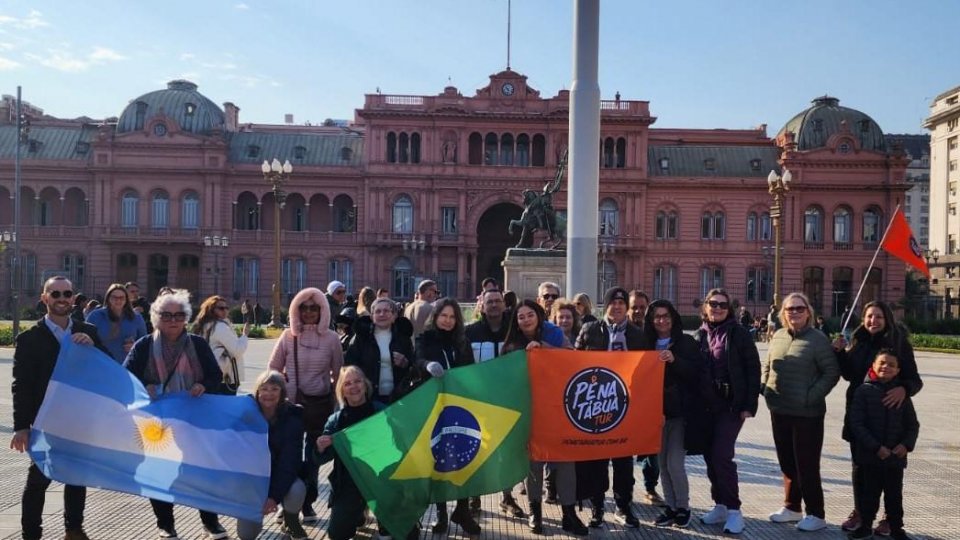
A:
153, 435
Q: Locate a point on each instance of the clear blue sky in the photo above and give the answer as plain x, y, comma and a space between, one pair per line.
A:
700, 63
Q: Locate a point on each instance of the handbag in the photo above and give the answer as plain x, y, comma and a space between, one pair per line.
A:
230, 382
316, 409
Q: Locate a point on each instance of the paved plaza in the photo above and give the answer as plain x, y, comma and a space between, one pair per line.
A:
931, 493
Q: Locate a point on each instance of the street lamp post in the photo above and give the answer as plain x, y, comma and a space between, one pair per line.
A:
217, 244
415, 247
606, 249
778, 186
7, 238
276, 174
23, 130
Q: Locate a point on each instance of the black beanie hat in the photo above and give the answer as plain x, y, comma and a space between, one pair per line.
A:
615, 293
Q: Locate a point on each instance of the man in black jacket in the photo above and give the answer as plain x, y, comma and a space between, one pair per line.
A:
33, 362
614, 332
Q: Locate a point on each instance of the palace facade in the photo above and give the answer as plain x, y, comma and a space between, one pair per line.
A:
424, 186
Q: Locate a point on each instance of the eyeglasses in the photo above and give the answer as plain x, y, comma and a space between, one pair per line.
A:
795, 309
311, 307
57, 294
179, 316
220, 308
721, 305
662, 317
338, 292
549, 296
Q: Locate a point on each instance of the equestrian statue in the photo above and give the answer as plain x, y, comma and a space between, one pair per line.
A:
539, 214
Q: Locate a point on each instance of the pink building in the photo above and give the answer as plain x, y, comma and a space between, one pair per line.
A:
423, 186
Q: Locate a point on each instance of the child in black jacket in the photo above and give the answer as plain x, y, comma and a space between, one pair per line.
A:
882, 437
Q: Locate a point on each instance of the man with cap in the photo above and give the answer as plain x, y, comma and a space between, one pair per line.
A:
336, 297
614, 332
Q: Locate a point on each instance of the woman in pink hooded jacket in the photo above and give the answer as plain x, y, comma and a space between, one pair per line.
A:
309, 354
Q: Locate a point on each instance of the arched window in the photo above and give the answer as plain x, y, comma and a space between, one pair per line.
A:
160, 210
665, 283
415, 148
813, 286
490, 155
711, 277
141, 116
74, 269
506, 149
842, 289
607, 159
766, 226
621, 152
391, 147
523, 150
190, 211
128, 209
402, 278
609, 225
871, 225
713, 226
404, 142
475, 151
667, 225
752, 226
403, 215
539, 150
759, 284
842, 226
813, 225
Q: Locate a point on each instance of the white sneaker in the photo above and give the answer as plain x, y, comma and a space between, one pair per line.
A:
734, 524
716, 516
811, 523
785, 515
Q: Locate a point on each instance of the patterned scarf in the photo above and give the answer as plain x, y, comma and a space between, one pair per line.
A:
174, 365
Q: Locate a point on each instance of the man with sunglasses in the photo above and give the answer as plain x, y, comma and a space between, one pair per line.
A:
547, 294
33, 362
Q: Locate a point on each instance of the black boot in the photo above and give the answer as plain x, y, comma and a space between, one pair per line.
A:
510, 507
536, 517
461, 516
571, 522
596, 520
440, 525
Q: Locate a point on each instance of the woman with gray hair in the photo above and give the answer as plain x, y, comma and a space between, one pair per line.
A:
171, 360
285, 439
382, 348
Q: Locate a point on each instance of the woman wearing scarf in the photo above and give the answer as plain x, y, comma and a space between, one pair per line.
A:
441, 347
171, 360
731, 388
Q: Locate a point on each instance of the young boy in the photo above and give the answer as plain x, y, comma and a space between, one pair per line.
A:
882, 437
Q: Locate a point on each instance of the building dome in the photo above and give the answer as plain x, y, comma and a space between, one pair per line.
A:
181, 102
813, 127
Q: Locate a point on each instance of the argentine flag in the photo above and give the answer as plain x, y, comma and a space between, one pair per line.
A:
97, 427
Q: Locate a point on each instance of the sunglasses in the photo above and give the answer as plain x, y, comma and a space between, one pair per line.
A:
220, 308
179, 316
313, 307
57, 294
721, 305
549, 296
795, 309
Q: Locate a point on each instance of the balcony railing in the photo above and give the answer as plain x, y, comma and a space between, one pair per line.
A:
842, 246
812, 245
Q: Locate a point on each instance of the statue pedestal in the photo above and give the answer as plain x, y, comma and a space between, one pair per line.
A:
525, 269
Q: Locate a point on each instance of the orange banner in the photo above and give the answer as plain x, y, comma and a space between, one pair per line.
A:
594, 404
901, 243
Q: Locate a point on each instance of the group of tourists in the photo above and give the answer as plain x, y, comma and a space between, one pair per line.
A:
338, 363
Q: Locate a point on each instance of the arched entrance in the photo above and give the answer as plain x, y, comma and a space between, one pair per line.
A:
493, 239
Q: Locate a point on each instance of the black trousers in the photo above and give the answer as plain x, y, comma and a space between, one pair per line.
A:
799, 444
164, 512
623, 482
34, 493
874, 481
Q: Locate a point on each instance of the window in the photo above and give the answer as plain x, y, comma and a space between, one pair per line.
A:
448, 283
813, 286
710, 164
73, 268
523, 150
342, 271
128, 209
844, 148
864, 126
621, 152
159, 210
608, 218
539, 150
952, 124
126, 267
666, 225
402, 278
665, 283
299, 152
391, 147
253, 151
448, 216
140, 116
490, 154
813, 225
246, 277
712, 226
607, 158
755, 165
766, 226
188, 114
711, 277
403, 215
190, 211
842, 289
952, 143
953, 165
346, 154
45, 213
752, 226
475, 149
871, 226
29, 283
664, 164
404, 142
607, 275
506, 149
415, 148
759, 284
294, 275
842, 225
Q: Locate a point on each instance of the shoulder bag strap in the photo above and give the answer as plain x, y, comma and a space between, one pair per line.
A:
296, 362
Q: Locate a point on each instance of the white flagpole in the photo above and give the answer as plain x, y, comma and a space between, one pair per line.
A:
863, 283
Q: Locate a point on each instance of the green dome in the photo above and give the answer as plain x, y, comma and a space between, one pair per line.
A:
814, 126
180, 101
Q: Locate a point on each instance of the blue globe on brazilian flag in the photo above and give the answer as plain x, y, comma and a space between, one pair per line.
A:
462, 435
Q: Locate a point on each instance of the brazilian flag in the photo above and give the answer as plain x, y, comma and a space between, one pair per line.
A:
460, 435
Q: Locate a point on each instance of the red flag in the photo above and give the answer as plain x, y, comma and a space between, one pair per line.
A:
594, 405
901, 243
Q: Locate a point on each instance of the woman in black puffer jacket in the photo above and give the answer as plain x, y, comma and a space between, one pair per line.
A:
382, 349
878, 330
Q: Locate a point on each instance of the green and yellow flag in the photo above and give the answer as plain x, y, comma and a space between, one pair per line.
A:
461, 435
